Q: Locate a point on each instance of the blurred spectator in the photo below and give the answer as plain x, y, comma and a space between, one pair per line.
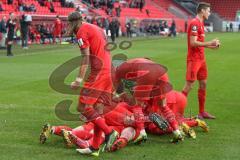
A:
227, 26
112, 27
163, 30
11, 24
63, 3
186, 26
148, 12
239, 27
24, 24
117, 25
231, 27
18, 35
118, 11
129, 29
23, 7
141, 4
102, 3
1, 9
78, 9
41, 2
106, 25
95, 3
9, 1
45, 33
110, 6
32, 8
50, 6
69, 3
3, 32
173, 29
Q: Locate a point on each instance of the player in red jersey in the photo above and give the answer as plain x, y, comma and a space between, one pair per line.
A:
57, 32
196, 62
149, 84
82, 136
98, 85
177, 103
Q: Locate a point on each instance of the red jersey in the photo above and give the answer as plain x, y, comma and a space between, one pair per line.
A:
92, 37
140, 69
147, 76
196, 28
58, 25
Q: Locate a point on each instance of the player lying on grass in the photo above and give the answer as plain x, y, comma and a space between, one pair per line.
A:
177, 103
118, 119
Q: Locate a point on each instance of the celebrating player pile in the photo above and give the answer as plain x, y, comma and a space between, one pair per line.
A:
123, 100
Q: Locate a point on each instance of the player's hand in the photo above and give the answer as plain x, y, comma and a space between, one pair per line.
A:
215, 43
75, 85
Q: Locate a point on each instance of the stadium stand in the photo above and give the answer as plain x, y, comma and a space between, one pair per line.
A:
225, 8
40, 10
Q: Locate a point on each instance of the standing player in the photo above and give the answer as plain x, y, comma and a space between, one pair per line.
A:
57, 30
196, 62
98, 85
11, 24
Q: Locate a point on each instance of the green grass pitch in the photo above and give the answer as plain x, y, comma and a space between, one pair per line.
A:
27, 102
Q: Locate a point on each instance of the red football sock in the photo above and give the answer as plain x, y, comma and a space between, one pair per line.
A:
170, 117
185, 93
57, 130
97, 137
201, 99
139, 117
100, 123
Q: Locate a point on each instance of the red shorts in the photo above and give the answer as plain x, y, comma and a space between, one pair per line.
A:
57, 33
117, 116
196, 70
98, 91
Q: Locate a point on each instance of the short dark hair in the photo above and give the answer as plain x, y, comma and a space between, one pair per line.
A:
202, 5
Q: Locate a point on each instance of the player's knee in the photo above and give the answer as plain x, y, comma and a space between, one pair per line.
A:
203, 85
189, 85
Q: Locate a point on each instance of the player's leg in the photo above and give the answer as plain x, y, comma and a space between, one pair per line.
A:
202, 78
170, 117
47, 130
92, 115
60, 38
9, 46
58, 129
191, 76
128, 134
84, 132
195, 122
94, 148
139, 122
